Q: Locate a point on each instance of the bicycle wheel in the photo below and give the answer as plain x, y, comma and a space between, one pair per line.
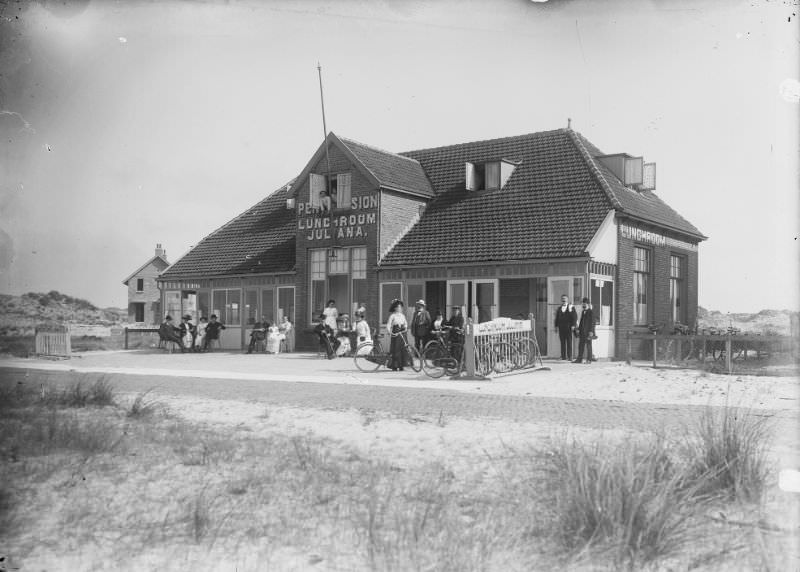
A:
453, 357
369, 356
484, 359
506, 357
414, 357
433, 357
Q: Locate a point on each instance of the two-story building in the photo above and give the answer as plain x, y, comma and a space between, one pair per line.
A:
501, 227
144, 297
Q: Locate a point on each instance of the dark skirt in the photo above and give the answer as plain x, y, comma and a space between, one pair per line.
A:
398, 356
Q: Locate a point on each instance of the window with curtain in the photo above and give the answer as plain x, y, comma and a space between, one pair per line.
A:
227, 306
641, 285
359, 276
676, 285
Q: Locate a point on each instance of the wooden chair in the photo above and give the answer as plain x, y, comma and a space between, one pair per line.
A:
165, 344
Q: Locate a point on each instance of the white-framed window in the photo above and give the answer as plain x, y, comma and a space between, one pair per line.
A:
641, 285
489, 176
677, 296
601, 294
389, 292
227, 305
172, 304
338, 274
329, 195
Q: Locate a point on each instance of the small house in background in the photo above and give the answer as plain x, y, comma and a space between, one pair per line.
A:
144, 297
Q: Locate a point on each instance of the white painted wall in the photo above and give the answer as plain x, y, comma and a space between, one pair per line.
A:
603, 246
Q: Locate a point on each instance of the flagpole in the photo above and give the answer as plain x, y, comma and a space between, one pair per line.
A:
324, 132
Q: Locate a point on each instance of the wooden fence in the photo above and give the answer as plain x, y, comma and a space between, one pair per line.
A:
726, 348
50, 341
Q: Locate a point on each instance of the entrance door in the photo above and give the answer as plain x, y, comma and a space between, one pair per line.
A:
556, 287
485, 295
414, 291
457, 296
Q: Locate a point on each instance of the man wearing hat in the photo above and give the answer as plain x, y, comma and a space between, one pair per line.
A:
169, 333
421, 325
585, 332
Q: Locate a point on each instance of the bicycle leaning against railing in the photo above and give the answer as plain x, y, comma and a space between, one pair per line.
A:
370, 355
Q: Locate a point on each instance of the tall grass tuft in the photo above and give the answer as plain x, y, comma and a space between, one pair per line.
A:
728, 452
631, 502
144, 406
79, 394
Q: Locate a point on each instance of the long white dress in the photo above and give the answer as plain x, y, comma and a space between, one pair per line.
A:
274, 338
331, 317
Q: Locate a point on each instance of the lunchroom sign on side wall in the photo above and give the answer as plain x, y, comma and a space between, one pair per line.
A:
318, 224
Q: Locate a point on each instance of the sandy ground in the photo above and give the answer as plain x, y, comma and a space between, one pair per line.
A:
465, 446
614, 381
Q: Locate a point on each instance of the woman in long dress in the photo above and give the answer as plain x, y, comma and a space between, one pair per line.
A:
396, 327
287, 330
274, 338
363, 335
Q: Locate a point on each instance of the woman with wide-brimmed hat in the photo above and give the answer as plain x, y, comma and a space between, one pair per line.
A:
396, 327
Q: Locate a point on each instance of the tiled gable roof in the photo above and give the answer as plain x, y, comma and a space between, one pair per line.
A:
644, 205
550, 207
155, 259
390, 169
260, 240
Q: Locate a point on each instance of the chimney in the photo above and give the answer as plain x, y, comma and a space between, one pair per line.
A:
160, 251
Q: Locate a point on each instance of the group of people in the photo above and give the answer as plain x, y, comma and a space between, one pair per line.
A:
569, 326
272, 334
422, 327
332, 328
188, 336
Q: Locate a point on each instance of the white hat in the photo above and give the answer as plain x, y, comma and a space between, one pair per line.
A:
421, 302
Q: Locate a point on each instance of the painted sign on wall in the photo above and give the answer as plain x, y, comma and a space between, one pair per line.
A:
635, 233
320, 224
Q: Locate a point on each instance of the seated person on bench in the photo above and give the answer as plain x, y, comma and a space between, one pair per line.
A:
212, 331
259, 333
169, 333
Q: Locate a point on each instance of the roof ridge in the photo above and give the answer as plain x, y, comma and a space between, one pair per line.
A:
495, 140
145, 265
379, 149
576, 138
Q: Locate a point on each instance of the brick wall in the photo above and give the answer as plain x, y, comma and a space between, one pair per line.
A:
150, 294
360, 186
660, 308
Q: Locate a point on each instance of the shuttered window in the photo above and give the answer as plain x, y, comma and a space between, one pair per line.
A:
316, 185
343, 191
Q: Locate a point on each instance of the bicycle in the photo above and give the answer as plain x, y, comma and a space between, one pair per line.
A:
440, 356
369, 356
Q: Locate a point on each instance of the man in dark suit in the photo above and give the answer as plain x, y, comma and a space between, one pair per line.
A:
566, 318
421, 326
169, 333
585, 332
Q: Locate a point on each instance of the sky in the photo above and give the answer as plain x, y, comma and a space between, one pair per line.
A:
126, 124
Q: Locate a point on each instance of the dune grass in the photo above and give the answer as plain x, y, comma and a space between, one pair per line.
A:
129, 481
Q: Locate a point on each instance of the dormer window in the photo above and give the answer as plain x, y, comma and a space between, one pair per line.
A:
488, 176
334, 197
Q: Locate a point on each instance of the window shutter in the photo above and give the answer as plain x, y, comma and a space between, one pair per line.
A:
316, 184
470, 176
343, 191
